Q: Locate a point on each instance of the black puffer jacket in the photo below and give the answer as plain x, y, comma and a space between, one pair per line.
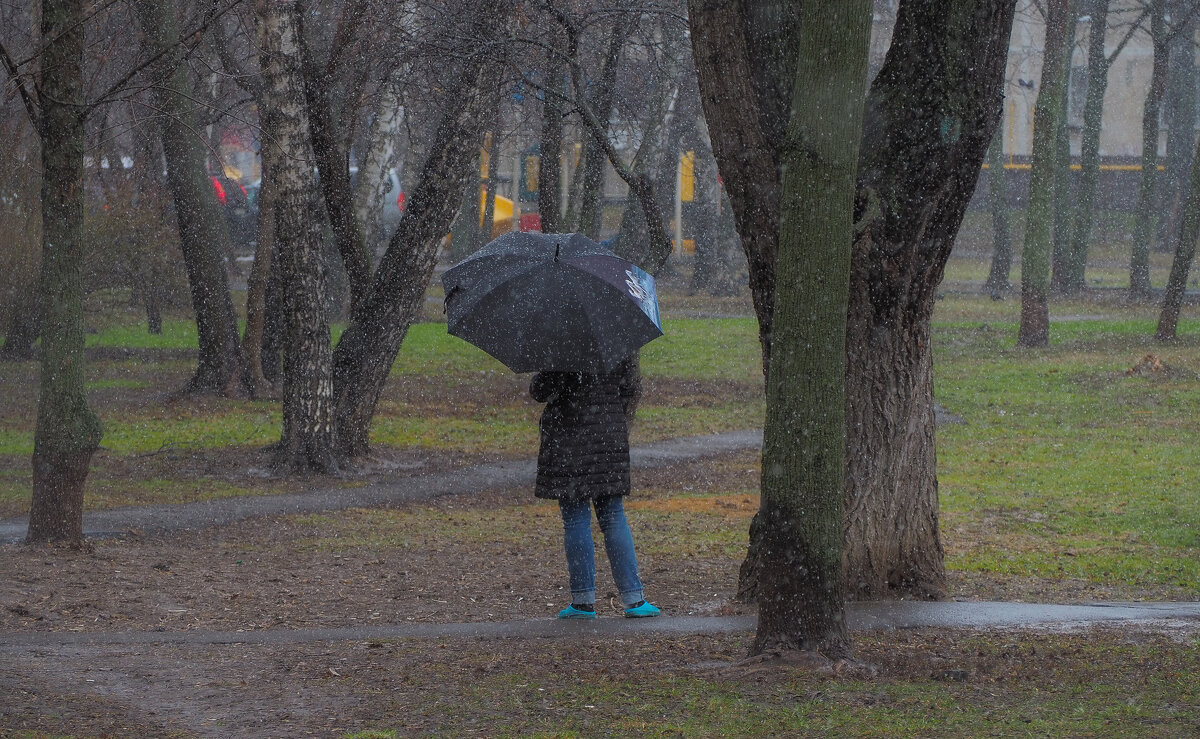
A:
584, 435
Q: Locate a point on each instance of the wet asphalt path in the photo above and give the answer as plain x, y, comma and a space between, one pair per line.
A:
411, 488
873, 616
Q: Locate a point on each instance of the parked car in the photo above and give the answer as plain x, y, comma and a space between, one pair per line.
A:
240, 214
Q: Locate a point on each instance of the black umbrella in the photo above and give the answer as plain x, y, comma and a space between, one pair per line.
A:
551, 302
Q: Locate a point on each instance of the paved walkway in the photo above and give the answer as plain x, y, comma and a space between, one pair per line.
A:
410, 488
873, 616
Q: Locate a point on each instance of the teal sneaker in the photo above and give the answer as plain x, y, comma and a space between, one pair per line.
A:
642, 610
573, 612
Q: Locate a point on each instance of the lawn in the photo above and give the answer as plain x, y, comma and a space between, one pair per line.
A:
1073, 478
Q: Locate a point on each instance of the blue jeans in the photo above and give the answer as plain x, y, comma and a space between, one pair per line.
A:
581, 555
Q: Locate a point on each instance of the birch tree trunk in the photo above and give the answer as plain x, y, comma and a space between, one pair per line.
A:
68, 432
308, 440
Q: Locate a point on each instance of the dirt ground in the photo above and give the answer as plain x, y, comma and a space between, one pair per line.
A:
272, 574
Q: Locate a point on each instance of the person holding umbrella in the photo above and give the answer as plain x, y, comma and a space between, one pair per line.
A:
583, 463
570, 310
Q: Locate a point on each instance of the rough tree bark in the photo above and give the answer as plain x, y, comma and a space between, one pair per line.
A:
931, 113
308, 441
203, 234
741, 67
801, 590
1034, 329
370, 343
68, 432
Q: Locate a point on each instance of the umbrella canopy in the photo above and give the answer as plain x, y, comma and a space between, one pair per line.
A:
551, 302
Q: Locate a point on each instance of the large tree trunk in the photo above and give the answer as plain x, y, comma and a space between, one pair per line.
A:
308, 440
801, 592
932, 110
370, 343
998, 275
746, 94
1143, 232
1185, 252
68, 432
1034, 329
1089, 153
203, 234
931, 113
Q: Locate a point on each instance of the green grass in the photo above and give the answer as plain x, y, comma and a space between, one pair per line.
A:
1068, 467
1040, 686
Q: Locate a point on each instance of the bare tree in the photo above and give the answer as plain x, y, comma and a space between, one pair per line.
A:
369, 346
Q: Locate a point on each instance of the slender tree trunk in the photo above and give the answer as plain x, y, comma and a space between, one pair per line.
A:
1143, 233
1034, 329
256, 290
333, 162
68, 432
1089, 157
550, 161
801, 593
591, 196
371, 342
1064, 196
1180, 101
308, 440
998, 276
203, 234
1185, 252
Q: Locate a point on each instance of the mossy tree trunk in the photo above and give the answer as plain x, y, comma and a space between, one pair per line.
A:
1034, 329
801, 591
932, 111
68, 432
